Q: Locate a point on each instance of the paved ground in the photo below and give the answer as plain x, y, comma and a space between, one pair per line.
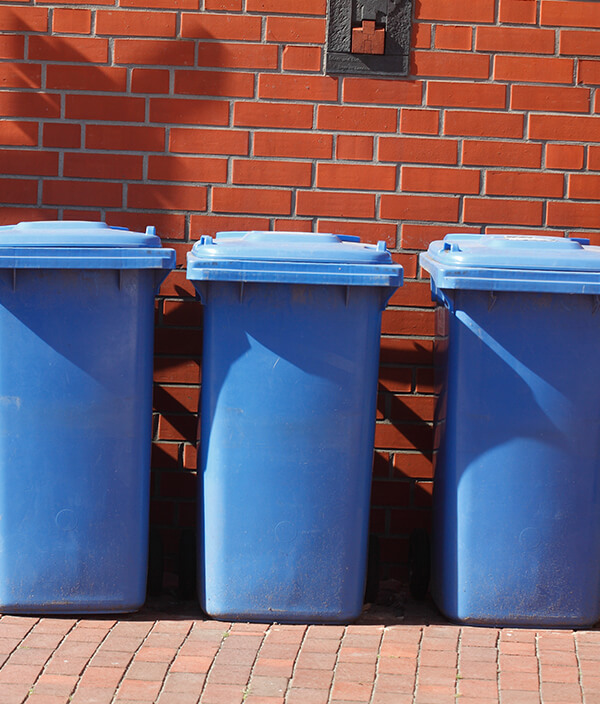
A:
402, 653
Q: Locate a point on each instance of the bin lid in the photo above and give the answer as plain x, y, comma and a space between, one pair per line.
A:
73, 244
74, 233
292, 257
513, 263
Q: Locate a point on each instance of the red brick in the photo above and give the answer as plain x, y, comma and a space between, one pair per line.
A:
515, 40
149, 80
483, 124
421, 151
533, 69
188, 111
282, 144
28, 162
419, 121
493, 153
254, 56
420, 236
233, 5
371, 232
128, 23
251, 200
356, 177
81, 50
435, 180
187, 168
584, 186
502, 211
356, 119
272, 173
298, 30
302, 58
105, 107
207, 141
380, 92
594, 158
408, 436
518, 11
550, 99
410, 407
177, 427
211, 224
68, 21
9, 215
292, 225
579, 43
407, 207
563, 214
44, 105
125, 138
564, 156
108, 166
59, 134
355, 148
413, 465
153, 52
166, 197
453, 37
564, 128
444, 11
220, 83
288, 87
273, 115
289, 7
97, 78
18, 75
12, 46
450, 65
18, 191
222, 26
421, 35
588, 72
24, 19
176, 370
331, 204
570, 14
162, 4
524, 183
82, 193
471, 95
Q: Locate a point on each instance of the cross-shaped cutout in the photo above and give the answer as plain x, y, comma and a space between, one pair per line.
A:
368, 39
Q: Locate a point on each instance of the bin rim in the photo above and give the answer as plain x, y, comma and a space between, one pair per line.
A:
513, 263
292, 257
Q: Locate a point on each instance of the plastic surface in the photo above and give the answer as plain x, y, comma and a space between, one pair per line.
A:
81, 245
516, 537
513, 263
76, 362
287, 428
292, 257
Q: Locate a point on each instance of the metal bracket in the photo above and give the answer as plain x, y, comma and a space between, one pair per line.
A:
369, 37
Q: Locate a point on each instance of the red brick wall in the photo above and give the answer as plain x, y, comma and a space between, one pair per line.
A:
198, 118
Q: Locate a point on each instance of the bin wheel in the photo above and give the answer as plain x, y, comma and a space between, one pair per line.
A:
419, 563
186, 564
155, 564
372, 581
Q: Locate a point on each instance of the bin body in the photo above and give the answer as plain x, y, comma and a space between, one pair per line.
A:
287, 427
516, 512
76, 358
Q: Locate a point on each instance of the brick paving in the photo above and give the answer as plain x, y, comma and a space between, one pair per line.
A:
171, 654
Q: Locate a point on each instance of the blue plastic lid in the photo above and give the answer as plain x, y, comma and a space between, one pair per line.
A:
513, 262
292, 257
74, 233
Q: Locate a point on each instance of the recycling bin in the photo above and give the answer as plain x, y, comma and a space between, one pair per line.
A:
516, 512
289, 382
76, 341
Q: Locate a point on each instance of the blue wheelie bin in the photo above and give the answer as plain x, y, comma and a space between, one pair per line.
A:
289, 382
516, 514
76, 341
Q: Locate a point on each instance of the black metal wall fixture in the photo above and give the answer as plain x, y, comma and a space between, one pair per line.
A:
369, 37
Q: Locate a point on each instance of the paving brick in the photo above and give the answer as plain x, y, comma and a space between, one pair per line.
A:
307, 696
